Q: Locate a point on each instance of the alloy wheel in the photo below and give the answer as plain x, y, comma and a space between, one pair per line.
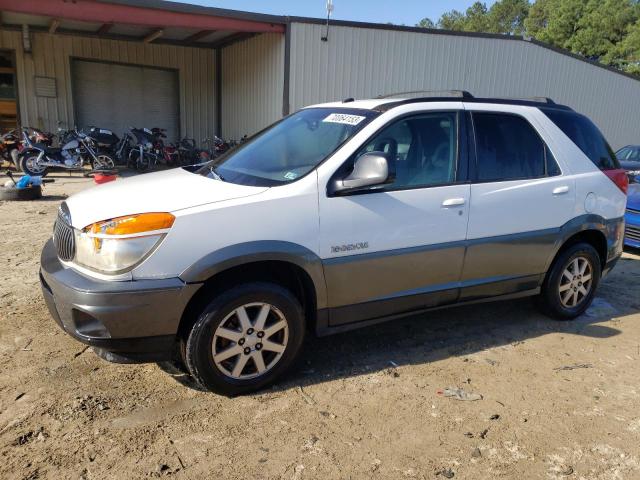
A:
34, 165
250, 341
104, 162
575, 282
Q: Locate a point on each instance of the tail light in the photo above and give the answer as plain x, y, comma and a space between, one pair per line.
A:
619, 177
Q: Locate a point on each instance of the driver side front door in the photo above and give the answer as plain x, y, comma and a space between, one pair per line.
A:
400, 247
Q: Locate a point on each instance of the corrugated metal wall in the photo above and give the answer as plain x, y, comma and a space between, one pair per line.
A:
361, 63
50, 57
252, 83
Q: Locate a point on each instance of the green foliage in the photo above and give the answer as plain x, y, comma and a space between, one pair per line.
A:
504, 16
603, 30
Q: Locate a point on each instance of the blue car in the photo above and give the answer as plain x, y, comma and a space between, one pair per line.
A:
629, 158
632, 217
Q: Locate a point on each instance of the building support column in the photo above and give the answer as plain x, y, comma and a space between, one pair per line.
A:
286, 107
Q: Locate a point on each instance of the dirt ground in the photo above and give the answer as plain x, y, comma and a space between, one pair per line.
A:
363, 404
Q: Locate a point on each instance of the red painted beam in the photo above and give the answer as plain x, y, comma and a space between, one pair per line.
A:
89, 11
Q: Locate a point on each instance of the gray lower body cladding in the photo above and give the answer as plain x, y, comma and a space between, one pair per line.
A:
139, 319
382, 284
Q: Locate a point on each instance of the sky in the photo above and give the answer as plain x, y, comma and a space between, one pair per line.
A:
400, 12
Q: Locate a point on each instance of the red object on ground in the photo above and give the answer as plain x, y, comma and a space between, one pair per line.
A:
101, 178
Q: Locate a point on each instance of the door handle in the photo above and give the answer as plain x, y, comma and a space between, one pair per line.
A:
453, 202
561, 190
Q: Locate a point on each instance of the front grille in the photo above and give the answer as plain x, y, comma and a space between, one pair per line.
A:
63, 239
632, 232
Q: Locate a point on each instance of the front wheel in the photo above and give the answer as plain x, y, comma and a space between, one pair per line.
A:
31, 165
571, 283
103, 162
245, 338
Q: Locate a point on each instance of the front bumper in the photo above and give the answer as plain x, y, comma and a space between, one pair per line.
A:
130, 321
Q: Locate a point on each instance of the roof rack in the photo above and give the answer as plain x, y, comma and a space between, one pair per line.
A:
530, 99
429, 93
532, 102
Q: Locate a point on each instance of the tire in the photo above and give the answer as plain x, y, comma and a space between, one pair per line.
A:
28, 165
104, 162
220, 319
562, 297
29, 193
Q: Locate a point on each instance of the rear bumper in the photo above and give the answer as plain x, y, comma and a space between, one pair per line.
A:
131, 321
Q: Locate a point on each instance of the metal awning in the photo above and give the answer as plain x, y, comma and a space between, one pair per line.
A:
139, 20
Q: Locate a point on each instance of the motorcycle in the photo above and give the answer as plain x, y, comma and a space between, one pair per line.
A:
105, 139
169, 153
216, 146
10, 146
78, 150
142, 155
190, 154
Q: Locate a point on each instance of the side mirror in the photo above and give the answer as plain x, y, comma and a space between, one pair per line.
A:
370, 169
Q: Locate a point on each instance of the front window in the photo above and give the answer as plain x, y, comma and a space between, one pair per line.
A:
290, 148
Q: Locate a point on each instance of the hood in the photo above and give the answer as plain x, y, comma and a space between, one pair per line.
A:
166, 191
630, 164
633, 196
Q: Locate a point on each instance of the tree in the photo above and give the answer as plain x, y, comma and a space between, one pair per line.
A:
604, 30
453, 20
504, 16
627, 52
426, 23
508, 16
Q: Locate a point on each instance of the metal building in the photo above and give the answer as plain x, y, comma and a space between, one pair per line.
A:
198, 71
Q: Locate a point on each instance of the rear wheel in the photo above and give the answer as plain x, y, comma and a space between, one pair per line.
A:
31, 165
570, 285
245, 338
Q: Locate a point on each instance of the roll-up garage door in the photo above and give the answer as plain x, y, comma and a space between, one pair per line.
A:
118, 97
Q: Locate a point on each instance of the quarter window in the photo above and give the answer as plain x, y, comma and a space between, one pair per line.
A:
424, 149
586, 136
508, 148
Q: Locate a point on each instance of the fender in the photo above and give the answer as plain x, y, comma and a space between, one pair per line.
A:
29, 151
612, 229
264, 250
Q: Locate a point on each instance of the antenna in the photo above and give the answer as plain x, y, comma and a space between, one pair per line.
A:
329, 12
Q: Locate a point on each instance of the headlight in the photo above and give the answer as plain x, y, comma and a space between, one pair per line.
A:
117, 245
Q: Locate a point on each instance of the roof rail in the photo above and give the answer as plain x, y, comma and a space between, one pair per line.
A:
430, 93
530, 99
539, 102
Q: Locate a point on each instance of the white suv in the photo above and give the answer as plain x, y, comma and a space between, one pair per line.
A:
339, 216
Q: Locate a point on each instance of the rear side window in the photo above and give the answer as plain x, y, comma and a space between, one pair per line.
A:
586, 136
508, 148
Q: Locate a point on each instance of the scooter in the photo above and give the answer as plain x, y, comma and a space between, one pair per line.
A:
79, 150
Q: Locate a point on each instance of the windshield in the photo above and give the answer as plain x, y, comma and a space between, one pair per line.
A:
290, 148
629, 154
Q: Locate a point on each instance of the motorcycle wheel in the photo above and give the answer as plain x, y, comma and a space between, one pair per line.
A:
29, 165
103, 162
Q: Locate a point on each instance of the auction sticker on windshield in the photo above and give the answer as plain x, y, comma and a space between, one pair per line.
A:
344, 118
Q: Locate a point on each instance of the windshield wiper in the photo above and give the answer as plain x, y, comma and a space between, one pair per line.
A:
215, 174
